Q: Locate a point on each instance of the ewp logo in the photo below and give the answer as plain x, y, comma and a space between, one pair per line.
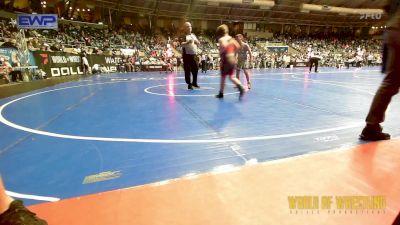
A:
37, 21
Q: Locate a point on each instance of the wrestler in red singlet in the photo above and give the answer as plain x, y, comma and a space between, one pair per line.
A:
227, 50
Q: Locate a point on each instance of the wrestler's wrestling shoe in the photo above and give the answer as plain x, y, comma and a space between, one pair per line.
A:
220, 95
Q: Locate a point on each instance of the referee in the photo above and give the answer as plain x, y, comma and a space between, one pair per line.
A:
314, 58
189, 51
391, 83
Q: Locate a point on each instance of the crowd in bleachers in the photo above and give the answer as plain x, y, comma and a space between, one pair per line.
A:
163, 47
334, 52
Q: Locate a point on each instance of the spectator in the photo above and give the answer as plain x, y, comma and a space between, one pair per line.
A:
5, 69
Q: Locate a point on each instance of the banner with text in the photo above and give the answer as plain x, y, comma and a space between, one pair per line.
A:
56, 64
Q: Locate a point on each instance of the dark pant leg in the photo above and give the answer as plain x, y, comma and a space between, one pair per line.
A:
384, 53
312, 62
13, 76
194, 67
316, 65
390, 85
397, 220
85, 69
18, 214
186, 68
384, 58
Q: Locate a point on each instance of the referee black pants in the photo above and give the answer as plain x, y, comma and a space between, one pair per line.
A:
190, 66
314, 61
390, 84
397, 220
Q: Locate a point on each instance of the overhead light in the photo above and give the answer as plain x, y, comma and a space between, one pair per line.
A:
212, 3
101, 23
83, 10
72, 18
70, 7
261, 3
334, 9
78, 10
62, 18
326, 7
44, 6
263, 7
88, 10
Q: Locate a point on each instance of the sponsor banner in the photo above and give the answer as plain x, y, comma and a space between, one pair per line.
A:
109, 62
37, 21
278, 48
301, 64
153, 67
56, 64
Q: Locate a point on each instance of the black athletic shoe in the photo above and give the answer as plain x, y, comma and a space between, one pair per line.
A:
195, 85
373, 133
220, 95
190, 87
17, 214
242, 91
